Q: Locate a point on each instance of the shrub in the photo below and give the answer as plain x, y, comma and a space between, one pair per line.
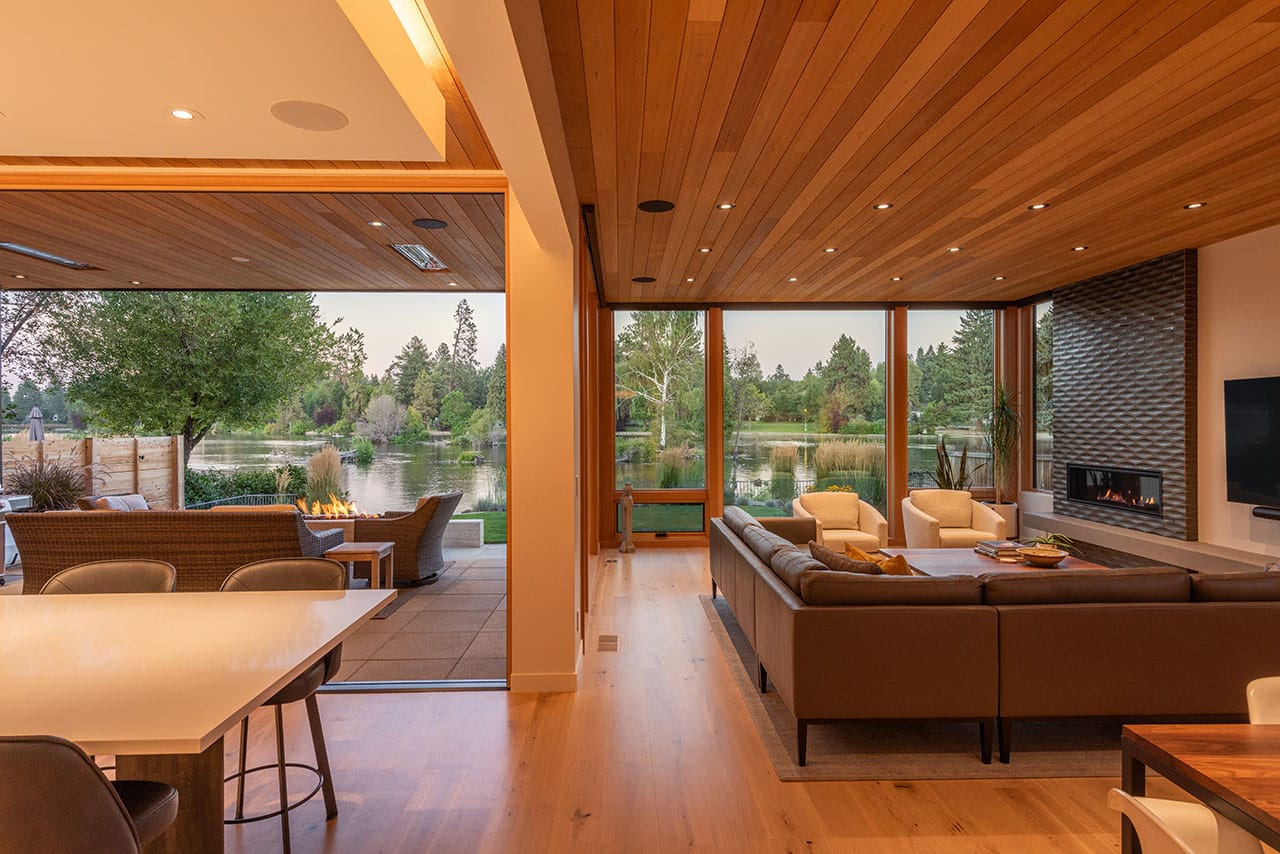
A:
671, 467
470, 458
782, 486
383, 419
324, 474
364, 451
636, 449
325, 416
782, 458
205, 486
52, 484
299, 427
833, 457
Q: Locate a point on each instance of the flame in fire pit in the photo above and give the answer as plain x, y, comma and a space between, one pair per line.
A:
333, 508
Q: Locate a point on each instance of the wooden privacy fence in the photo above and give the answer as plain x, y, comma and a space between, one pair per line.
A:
149, 465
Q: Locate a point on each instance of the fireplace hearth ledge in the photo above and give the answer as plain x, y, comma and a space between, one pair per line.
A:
1201, 557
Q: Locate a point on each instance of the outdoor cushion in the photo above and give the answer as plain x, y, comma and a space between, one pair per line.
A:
122, 502
790, 565
959, 538
737, 519
764, 543
833, 509
1062, 586
840, 563
823, 587
1235, 587
951, 507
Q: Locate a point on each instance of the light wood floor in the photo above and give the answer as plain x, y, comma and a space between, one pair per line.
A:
654, 753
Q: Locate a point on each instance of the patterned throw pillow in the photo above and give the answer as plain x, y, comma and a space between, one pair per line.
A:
840, 563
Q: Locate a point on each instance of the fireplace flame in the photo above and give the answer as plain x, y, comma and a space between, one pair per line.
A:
1113, 497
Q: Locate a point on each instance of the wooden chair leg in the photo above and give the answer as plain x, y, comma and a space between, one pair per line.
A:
802, 739
284, 785
322, 758
986, 733
1006, 739
244, 753
763, 677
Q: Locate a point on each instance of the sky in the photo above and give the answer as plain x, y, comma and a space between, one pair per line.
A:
389, 320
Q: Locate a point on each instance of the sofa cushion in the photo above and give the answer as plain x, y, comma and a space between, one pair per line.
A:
1060, 586
133, 501
824, 587
791, 564
951, 507
1235, 587
837, 562
764, 543
834, 509
962, 538
737, 519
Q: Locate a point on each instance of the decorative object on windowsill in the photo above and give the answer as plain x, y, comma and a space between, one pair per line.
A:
1042, 556
628, 507
1003, 429
950, 476
1054, 541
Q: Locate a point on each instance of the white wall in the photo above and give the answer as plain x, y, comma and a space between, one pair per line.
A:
1239, 336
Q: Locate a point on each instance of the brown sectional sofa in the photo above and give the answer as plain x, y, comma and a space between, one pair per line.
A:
1135, 644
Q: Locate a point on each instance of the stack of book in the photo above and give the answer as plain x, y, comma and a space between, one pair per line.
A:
998, 549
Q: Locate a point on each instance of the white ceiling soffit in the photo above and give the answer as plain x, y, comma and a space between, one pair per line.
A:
100, 79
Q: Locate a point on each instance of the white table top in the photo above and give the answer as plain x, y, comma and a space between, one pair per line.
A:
158, 673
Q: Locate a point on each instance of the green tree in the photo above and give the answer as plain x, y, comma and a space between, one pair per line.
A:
1044, 370
846, 381
973, 349
455, 412
411, 362
178, 363
426, 396
743, 399
658, 355
496, 394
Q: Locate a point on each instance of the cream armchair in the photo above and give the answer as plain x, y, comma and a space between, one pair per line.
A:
948, 519
843, 517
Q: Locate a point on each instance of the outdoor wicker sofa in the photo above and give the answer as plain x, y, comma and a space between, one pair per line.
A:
418, 535
204, 547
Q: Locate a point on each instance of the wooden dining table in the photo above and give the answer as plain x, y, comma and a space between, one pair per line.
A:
1232, 768
157, 679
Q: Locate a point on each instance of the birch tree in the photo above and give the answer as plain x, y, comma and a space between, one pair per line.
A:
657, 352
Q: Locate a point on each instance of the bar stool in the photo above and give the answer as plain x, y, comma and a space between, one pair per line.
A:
115, 576
291, 574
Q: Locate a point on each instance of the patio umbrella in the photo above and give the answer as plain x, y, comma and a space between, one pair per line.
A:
36, 431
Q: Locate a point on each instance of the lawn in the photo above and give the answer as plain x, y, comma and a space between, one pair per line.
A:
495, 524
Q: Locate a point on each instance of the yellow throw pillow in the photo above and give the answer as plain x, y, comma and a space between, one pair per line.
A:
896, 565
852, 551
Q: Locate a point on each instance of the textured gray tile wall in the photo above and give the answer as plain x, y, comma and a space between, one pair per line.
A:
1124, 386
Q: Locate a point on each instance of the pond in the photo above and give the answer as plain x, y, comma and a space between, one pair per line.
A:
396, 478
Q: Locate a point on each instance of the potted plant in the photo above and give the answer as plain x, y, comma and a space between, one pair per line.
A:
949, 475
1003, 429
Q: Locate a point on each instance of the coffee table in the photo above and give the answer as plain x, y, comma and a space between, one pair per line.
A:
968, 562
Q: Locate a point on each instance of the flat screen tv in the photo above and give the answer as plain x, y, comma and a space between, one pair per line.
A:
1253, 441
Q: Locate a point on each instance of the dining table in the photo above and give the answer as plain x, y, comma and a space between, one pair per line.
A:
1232, 768
157, 679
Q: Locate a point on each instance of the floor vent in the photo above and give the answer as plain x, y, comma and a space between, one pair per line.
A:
607, 643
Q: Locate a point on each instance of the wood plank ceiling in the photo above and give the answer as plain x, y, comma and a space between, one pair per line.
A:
291, 241
805, 114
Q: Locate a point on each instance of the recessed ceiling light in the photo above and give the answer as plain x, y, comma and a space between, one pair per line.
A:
829, 249
704, 250
1038, 206
896, 279
883, 206
376, 223
726, 206
184, 114
998, 278
793, 279
954, 248
240, 259
689, 279
643, 280
430, 223
1078, 248
18, 276
134, 282
453, 284
656, 206
1194, 205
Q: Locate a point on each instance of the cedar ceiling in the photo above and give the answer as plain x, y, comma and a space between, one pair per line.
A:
960, 114
293, 241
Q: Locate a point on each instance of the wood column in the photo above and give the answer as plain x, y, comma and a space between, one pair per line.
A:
605, 427
714, 419
895, 437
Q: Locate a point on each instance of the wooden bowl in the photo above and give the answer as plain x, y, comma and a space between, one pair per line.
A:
1042, 556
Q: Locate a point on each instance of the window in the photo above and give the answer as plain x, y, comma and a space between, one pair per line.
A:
659, 399
1044, 396
804, 406
950, 382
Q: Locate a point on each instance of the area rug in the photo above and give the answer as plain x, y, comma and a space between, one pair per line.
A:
910, 750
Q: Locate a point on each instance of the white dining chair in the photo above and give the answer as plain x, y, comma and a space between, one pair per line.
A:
1179, 827
1264, 700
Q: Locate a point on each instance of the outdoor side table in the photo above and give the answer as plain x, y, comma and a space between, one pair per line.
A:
377, 554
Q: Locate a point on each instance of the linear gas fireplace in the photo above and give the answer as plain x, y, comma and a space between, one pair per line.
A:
1121, 489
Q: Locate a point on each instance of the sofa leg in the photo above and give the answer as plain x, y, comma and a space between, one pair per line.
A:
802, 738
986, 734
1006, 739
763, 677
713, 588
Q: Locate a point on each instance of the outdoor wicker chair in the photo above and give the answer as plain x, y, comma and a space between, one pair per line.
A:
418, 535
